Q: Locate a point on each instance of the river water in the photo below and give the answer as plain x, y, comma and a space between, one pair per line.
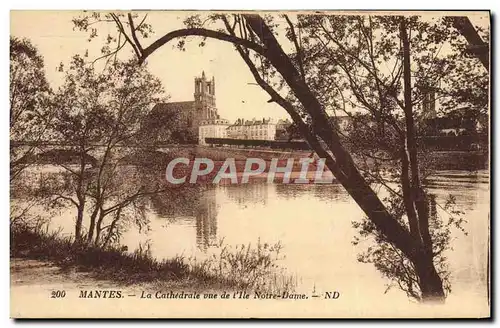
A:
314, 225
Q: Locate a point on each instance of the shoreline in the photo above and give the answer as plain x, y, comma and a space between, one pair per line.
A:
46, 275
56, 255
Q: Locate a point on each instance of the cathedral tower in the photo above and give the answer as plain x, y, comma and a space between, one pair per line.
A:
204, 98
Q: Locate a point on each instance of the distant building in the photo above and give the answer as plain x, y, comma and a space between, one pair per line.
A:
237, 130
429, 103
282, 129
196, 114
264, 129
285, 130
462, 121
283, 124
212, 128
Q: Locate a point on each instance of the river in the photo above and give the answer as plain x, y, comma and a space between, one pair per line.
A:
314, 225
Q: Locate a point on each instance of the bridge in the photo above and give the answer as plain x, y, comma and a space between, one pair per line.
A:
54, 151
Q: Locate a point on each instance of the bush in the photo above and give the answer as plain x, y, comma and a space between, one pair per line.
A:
244, 267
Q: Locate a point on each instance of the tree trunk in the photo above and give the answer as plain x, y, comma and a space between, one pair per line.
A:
112, 228
78, 224
342, 167
80, 194
90, 235
99, 227
429, 281
477, 46
345, 170
92, 225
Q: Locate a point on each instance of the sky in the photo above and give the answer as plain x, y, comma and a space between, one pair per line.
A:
237, 96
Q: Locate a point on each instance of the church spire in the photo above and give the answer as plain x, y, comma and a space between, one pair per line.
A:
203, 74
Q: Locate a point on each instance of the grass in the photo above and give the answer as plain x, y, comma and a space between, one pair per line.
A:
252, 267
242, 268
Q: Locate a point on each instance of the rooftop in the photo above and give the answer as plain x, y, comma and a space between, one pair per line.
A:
241, 122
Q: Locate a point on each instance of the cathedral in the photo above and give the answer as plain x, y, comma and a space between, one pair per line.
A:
199, 116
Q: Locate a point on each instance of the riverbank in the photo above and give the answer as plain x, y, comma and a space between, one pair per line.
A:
45, 275
36, 249
435, 160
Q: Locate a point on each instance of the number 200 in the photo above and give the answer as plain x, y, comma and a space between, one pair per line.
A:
58, 294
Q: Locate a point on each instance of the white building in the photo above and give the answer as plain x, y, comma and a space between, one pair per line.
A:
212, 128
264, 129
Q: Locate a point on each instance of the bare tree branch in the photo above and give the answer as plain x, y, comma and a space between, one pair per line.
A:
297, 47
200, 32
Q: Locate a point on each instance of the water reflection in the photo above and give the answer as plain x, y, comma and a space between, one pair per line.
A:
190, 206
466, 187
323, 192
248, 194
206, 221
198, 206
432, 206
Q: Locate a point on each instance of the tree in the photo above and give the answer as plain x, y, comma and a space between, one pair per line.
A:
30, 99
29, 103
99, 115
165, 126
470, 84
388, 82
477, 46
255, 39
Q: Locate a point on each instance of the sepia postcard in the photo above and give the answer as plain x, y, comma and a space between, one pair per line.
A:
280, 164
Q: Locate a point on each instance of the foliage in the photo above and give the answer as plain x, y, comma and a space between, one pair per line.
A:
99, 114
30, 102
253, 267
30, 97
104, 107
241, 268
362, 57
166, 127
113, 43
393, 264
111, 263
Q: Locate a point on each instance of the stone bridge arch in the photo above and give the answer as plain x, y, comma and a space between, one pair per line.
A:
62, 156
60, 153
